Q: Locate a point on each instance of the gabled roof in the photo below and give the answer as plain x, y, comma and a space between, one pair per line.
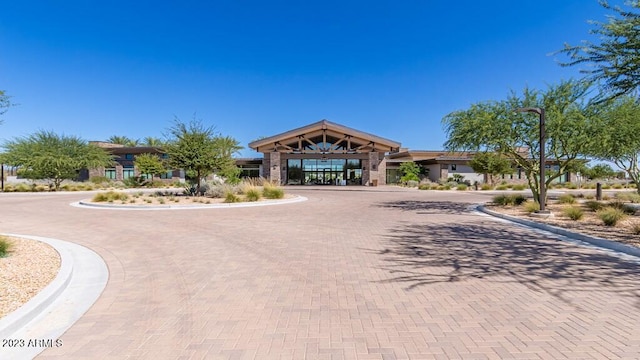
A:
325, 127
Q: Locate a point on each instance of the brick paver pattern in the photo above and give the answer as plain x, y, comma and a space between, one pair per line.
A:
352, 273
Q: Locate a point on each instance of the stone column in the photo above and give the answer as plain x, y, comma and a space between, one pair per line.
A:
374, 161
274, 167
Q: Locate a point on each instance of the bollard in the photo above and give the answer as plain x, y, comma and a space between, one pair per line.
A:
598, 191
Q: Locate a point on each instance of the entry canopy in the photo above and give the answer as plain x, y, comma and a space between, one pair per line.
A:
325, 137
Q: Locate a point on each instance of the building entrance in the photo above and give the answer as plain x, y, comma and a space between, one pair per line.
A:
324, 172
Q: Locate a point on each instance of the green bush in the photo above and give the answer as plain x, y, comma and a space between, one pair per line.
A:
5, 246
461, 187
502, 187
617, 204
99, 179
566, 199
424, 187
573, 212
503, 200
486, 187
230, 197
272, 192
110, 196
610, 216
519, 187
253, 194
531, 206
630, 197
594, 205
518, 199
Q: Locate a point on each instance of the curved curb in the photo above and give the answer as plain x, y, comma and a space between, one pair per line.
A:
40, 322
599, 242
84, 204
20, 317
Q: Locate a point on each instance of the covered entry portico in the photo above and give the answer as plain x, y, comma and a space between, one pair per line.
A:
325, 153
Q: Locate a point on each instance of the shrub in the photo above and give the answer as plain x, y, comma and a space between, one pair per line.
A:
461, 187
518, 199
610, 216
519, 187
5, 246
110, 196
412, 183
486, 187
617, 186
531, 206
566, 199
502, 200
424, 187
253, 194
502, 187
272, 192
230, 197
218, 190
635, 228
571, 186
573, 212
99, 179
594, 205
617, 204
631, 197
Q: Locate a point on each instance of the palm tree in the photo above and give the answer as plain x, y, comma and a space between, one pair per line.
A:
123, 140
152, 142
228, 146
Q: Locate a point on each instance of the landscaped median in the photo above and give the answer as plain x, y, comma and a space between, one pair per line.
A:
211, 195
612, 219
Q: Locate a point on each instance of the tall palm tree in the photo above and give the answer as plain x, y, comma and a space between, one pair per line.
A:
123, 140
152, 141
228, 145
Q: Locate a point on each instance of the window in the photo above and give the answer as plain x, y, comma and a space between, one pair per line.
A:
128, 156
110, 173
454, 167
128, 172
167, 175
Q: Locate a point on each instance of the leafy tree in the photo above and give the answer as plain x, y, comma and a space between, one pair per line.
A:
491, 163
494, 126
46, 155
5, 103
617, 136
599, 171
150, 164
614, 59
123, 140
197, 149
410, 171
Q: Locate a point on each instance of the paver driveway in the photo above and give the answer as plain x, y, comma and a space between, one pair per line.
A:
351, 273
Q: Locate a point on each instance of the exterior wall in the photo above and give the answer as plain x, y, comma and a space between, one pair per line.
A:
467, 172
434, 172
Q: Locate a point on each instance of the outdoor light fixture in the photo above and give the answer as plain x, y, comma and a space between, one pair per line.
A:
540, 112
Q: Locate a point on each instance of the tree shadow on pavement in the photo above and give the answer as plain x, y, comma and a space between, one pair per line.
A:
420, 255
427, 207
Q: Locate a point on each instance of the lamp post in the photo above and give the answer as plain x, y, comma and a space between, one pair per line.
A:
540, 112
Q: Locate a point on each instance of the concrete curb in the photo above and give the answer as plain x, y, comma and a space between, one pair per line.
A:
20, 317
39, 323
85, 204
603, 243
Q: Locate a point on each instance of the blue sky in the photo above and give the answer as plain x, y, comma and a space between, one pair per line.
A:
258, 68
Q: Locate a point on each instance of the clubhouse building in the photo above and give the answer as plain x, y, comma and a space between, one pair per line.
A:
324, 153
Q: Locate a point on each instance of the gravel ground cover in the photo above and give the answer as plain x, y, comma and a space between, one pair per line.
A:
29, 267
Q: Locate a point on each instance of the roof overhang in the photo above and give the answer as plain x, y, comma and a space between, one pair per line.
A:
343, 139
